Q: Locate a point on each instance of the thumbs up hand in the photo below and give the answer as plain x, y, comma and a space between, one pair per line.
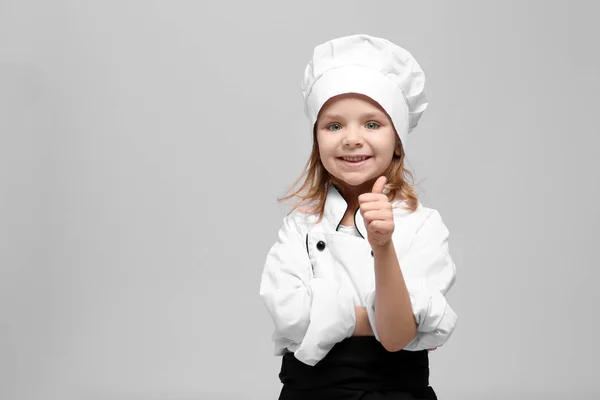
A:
378, 214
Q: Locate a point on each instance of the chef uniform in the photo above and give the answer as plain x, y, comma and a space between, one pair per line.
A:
317, 272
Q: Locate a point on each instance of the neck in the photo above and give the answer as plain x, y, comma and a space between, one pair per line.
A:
351, 193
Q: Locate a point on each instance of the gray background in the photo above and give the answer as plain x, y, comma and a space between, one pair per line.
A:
143, 145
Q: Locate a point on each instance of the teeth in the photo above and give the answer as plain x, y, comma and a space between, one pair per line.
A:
354, 158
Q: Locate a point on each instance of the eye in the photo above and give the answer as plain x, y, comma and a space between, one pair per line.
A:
334, 127
372, 125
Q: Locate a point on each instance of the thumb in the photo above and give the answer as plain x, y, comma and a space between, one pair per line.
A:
379, 184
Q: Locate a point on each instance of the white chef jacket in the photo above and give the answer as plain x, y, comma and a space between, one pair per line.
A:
315, 275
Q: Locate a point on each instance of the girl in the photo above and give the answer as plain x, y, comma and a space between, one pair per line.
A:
356, 284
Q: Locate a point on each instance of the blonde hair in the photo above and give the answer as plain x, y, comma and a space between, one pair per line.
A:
317, 182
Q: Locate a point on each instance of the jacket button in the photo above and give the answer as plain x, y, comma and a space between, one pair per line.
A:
321, 245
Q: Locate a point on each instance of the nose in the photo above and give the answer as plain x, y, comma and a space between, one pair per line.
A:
352, 137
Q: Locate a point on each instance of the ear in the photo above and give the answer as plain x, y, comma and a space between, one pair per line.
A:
398, 149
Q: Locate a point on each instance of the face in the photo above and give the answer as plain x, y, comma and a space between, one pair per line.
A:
354, 125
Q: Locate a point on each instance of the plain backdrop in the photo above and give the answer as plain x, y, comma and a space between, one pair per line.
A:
143, 145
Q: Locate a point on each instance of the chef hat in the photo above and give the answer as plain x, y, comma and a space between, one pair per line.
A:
371, 66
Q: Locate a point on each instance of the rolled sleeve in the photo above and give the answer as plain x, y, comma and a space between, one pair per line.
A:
310, 315
332, 319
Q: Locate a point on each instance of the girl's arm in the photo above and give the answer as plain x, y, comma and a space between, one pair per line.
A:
363, 326
428, 272
394, 317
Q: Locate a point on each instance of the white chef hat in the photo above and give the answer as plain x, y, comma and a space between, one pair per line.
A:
371, 66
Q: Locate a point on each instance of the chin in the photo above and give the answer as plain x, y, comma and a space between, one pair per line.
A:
354, 182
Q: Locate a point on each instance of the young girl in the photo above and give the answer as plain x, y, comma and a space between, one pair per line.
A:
356, 284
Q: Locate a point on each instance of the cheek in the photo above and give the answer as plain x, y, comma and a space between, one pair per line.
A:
326, 150
328, 161
323, 152
387, 145
385, 153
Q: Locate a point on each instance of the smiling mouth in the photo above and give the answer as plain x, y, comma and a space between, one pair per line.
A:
354, 161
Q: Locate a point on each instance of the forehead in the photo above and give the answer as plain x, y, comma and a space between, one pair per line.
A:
351, 104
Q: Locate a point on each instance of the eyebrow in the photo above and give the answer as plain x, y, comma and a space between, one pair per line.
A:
369, 115
373, 115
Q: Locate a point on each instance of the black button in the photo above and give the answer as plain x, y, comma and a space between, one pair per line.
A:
321, 245
372, 253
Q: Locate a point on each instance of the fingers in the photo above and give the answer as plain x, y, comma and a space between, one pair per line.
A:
372, 197
379, 185
380, 212
375, 205
377, 214
381, 226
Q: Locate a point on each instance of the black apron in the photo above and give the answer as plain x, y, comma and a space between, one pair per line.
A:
358, 368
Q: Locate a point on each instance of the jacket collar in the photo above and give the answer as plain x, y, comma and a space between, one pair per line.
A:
335, 208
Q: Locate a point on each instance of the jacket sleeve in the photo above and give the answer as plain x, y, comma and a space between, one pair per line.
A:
310, 314
429, 272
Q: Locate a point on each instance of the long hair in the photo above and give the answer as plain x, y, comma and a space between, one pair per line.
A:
316, 183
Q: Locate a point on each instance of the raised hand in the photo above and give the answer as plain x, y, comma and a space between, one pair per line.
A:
378, 214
